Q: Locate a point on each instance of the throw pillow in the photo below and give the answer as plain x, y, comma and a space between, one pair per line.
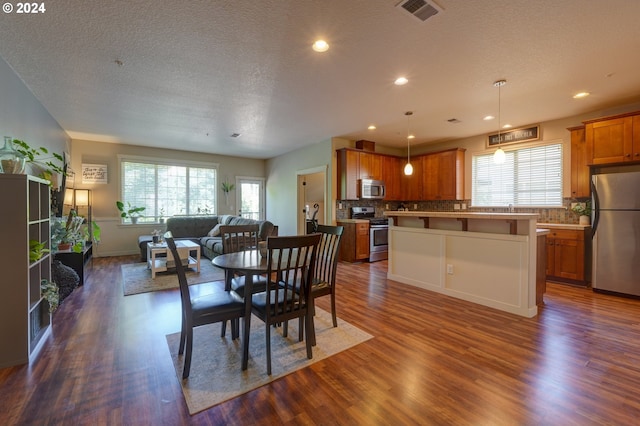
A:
215, 232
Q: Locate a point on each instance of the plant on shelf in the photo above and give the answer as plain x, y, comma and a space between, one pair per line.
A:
37, 250
51, 293
48, 164
161, 218
67, 233
131, 212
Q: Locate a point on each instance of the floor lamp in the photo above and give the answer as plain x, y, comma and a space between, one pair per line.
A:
82, 198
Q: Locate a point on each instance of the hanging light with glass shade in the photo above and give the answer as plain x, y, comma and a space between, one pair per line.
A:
408, 168
499, 156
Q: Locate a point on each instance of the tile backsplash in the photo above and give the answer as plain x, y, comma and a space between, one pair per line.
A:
547, 215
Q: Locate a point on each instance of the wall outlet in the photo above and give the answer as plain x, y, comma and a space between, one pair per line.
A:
339, 206
386, 206
464, 206
456, 206
449, 269
415, 207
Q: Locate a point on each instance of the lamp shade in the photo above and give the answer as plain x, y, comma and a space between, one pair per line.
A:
68, 197
499, 156
408, 169
82, 197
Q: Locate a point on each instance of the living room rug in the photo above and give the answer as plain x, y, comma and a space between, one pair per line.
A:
136, 278
216, 365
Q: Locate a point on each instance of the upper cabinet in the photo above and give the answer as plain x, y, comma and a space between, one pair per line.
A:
613, 140
580, 173
370, 166
391, 175
348, 174
436, 176
443, 175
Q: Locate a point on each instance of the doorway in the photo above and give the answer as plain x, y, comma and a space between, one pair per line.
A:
312, 194
250, 197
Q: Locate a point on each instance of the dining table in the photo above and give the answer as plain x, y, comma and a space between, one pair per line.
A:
250, 263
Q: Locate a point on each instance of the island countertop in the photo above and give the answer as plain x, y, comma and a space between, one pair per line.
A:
462, 215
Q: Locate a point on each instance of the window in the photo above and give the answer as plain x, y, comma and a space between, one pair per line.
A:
528, 177
168, 189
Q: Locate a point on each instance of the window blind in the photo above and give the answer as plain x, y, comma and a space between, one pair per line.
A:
528, 177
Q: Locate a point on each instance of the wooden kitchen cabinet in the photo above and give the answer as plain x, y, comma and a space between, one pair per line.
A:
412, 185
580, 172
568, 254
370, 166
348, 174
354, 245
391, 175
611, 141
443, 175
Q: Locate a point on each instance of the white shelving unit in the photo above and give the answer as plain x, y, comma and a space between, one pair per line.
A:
25, 320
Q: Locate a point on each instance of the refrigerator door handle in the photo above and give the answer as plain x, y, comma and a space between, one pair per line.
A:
596, 209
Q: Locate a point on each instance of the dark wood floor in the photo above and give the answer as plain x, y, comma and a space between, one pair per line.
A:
434, 360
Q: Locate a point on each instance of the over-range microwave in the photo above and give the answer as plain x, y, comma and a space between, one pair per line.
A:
372, 189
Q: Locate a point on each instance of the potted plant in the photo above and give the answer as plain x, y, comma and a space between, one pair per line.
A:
161, 218
35, 156
67, 233
37, 250
226, 188
131, 212
51, 293
583, 210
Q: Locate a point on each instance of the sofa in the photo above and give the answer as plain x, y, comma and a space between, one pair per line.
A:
202, 230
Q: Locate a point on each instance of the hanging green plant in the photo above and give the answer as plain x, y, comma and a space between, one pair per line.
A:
51, 293
227, 187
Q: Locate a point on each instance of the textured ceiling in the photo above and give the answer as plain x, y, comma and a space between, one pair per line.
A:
194, 72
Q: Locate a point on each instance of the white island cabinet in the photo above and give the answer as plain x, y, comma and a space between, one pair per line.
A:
485, 258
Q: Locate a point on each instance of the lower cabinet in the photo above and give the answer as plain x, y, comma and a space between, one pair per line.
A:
355, 241
568, 256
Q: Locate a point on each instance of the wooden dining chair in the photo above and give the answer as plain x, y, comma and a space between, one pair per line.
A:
324, 274
290, 263
219, 306
237, 238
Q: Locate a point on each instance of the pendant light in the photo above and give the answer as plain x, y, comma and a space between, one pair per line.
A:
408, 168
499, 156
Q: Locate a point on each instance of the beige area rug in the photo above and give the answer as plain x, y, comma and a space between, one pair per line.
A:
136, 278
216, 374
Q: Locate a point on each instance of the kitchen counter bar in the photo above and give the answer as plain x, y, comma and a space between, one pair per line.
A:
485, 258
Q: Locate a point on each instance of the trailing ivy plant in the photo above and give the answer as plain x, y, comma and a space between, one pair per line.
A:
33, 155
51, 293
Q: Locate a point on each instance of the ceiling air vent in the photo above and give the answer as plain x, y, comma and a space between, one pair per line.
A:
421, 9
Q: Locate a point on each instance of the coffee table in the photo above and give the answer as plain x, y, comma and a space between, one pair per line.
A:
161, 264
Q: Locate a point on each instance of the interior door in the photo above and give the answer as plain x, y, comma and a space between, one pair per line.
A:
250, 197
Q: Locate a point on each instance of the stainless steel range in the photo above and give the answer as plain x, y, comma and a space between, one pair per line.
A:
378, 232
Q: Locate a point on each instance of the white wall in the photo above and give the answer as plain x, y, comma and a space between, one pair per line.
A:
23, 117
282, 180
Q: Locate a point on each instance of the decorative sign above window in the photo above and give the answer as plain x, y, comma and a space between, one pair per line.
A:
94, 173
524, 134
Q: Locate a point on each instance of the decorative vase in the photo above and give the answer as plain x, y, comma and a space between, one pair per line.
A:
134, 220
11, 161
584, 220
64, 246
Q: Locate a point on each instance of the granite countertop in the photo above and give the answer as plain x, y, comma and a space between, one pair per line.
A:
467, 215
562, 226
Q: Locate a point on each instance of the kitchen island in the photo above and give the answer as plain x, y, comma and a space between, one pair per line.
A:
485, 258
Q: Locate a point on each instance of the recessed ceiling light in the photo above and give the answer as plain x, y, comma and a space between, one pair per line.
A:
488, 117
401, 81
371, 127
581, 95
320, 46
411, 137
507, 126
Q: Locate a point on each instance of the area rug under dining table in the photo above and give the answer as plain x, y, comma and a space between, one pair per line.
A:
216, 375
136, 277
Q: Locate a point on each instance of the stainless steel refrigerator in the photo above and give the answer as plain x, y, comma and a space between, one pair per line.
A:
616, 232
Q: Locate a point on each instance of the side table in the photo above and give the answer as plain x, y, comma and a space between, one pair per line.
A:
76, 261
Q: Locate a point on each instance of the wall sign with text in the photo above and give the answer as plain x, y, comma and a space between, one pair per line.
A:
524, 134
94, 173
